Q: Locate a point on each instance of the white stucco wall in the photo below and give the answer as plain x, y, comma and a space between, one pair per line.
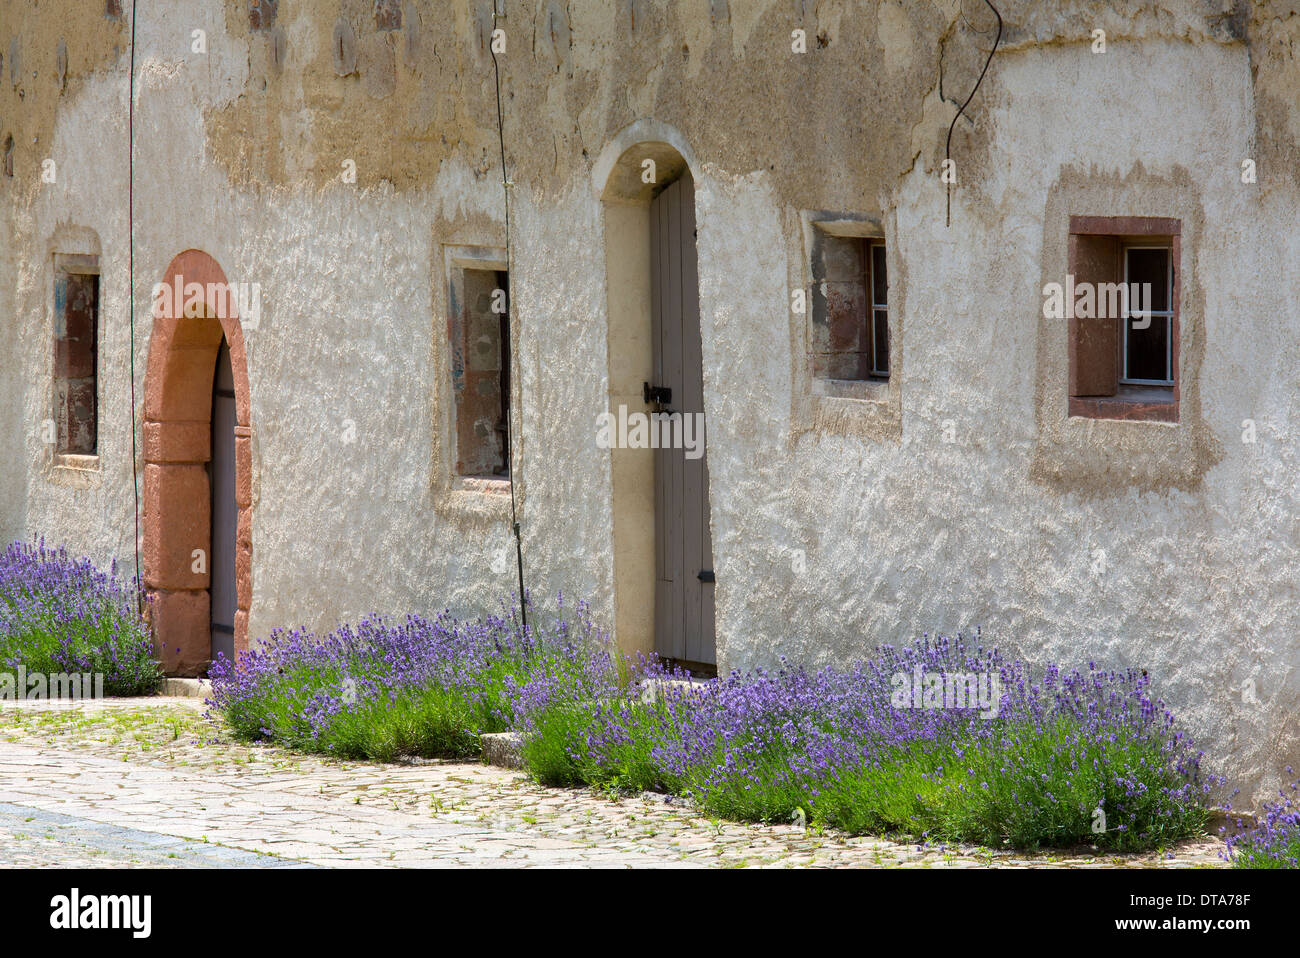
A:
901, 532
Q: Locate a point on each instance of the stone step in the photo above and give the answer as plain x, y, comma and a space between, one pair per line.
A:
185, 688
502, 749
1223, 823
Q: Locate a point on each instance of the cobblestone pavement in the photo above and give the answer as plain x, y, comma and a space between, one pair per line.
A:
149, 782
32, 838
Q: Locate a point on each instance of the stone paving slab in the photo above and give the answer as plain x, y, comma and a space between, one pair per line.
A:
157, 780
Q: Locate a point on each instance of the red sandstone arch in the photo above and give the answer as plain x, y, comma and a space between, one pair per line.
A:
177, 444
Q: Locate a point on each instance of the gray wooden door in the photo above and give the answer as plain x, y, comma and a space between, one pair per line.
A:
224, 513
683, 544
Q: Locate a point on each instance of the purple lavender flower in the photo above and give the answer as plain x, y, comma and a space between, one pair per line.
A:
60, 614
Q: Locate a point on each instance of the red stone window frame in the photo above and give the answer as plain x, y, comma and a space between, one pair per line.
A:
1096, 251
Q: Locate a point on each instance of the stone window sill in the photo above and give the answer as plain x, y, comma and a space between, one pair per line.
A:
475, 498
491, 486
866, 390
76, 462
1130, 404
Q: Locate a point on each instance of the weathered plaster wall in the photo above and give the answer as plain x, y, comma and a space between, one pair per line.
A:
239, 154
997, 528
347, 365
13, 462
76, 124
52, 63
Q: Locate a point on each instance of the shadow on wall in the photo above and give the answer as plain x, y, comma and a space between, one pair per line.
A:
16, 447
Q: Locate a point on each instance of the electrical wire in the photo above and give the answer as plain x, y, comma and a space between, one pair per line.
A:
947, 150
130, 192
510, 439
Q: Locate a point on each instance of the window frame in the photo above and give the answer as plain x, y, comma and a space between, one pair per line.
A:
874, 309
459, 258
819, 227
1165, 314
1129, 402
77, 264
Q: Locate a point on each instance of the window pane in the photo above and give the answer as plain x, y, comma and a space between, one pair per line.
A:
879, 276
76, 297
503, 332
1148, 349
1150, 266
480, 349
881, 334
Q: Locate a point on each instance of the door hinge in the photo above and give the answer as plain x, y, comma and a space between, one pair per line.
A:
706, 575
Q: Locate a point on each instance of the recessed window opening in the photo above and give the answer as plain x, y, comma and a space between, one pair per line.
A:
1122, 290
76, 355
850, 305
479, 327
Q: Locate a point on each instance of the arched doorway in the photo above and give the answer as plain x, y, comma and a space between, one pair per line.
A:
663, 550
195, 314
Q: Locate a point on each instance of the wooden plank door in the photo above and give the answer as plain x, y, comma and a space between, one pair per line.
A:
684, 600
224, 513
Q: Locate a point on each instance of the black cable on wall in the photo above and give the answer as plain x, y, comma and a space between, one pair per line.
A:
130, 193
947, 150
510, 439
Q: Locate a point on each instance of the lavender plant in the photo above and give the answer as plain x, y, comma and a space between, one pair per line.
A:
1077, 758
60, 614
1273, 842
385, 689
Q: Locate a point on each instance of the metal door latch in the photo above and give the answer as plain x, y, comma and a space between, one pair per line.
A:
659, 394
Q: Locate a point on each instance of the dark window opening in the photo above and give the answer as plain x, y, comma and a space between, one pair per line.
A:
480, 349
1148, 336
850, 308
879, 312
76, 355
503, 337
1122, 301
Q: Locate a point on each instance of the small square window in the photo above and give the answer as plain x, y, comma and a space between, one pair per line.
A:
1121, 300
850, 307
479, 331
